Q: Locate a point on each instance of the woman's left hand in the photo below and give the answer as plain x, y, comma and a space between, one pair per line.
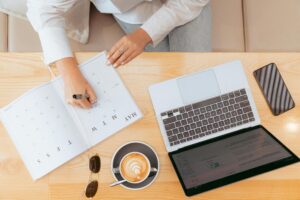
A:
128, 47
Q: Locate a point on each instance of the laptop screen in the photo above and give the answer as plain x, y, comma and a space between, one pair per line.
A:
207, 165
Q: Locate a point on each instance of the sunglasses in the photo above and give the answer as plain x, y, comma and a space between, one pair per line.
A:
92, 187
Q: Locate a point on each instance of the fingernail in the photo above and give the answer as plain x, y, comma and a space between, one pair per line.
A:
122, 63
108, 62
115, 65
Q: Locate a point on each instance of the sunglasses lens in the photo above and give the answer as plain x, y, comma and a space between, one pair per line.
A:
91, 189
95, 164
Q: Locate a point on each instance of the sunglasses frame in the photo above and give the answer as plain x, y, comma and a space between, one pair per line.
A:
94, 176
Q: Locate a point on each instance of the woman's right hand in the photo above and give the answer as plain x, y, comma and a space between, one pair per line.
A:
75, 83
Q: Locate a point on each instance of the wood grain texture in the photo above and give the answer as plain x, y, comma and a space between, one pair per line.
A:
22, 71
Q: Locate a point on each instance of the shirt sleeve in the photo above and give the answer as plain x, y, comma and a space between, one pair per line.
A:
173, 13
47, 19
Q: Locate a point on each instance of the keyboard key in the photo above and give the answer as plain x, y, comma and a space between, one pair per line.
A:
181, 129
197, 112
188, 108
202, 110
169, 120
244, 104
220, 105
180, 136
172, 138
191, 114
239, 111
213, 113
193, 125
198, 130
181, 110
163, 114
169, 133
214, 107
225, 110
186, 134
185, 115
183, 122
202, 134
237, 93
175, 131
250, 114
199, 124
170, 114
170, 126
201, 117
247, 109
226, 103
187, 127
243, 91
190, 120
228, 115
216, 125
217, 118
221, 123
236, 106
208, 108
205, 122
232, 120
209, 127
178, 124
222, 117
196, 118
179, 117
224, 97
182, 140
203, 129
192, 132
234, 113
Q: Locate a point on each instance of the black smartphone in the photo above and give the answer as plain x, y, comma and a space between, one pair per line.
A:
274, 89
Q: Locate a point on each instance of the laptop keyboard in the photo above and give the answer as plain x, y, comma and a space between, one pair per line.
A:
207, 117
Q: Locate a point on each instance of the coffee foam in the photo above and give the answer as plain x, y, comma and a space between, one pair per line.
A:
134, 167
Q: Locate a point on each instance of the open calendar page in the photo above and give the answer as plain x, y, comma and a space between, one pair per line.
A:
48, 132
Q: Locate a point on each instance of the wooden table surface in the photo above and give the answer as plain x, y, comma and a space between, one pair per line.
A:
22, 71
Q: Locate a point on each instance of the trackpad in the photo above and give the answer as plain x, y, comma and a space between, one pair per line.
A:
199, 86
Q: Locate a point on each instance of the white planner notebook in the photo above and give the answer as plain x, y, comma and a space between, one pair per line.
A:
48, 132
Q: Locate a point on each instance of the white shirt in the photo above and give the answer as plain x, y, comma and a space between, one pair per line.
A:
158, 19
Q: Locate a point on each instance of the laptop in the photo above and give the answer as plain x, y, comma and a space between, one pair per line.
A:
203, 117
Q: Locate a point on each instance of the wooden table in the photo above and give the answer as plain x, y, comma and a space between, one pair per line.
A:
20, 72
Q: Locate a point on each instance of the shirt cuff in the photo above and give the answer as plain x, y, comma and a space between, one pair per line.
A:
55, 44
156, 36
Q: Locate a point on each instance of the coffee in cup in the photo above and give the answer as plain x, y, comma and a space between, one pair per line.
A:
134, 167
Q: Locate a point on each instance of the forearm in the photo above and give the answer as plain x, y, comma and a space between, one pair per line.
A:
67, 67
172, 14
